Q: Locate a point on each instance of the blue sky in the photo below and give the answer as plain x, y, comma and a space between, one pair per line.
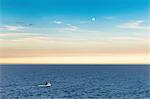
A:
33, 10
67, 25
73, 7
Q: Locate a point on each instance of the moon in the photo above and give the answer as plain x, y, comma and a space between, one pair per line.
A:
93, 19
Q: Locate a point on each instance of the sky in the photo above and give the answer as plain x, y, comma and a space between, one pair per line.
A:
74, 31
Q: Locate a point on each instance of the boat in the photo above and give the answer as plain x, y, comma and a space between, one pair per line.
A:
46, 85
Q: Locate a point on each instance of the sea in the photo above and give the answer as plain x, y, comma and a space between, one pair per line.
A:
72, 81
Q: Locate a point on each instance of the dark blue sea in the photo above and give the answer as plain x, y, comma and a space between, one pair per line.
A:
75, 81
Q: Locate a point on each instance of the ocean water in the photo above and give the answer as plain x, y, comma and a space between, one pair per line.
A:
75, 81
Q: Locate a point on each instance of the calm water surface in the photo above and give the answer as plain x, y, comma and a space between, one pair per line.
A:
75, 81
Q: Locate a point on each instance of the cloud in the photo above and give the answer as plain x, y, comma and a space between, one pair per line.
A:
68, 28
58, 22
128, 38
11, 27
71, 28
39, 42
134, 25
33, 39
19, 35
24, 24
